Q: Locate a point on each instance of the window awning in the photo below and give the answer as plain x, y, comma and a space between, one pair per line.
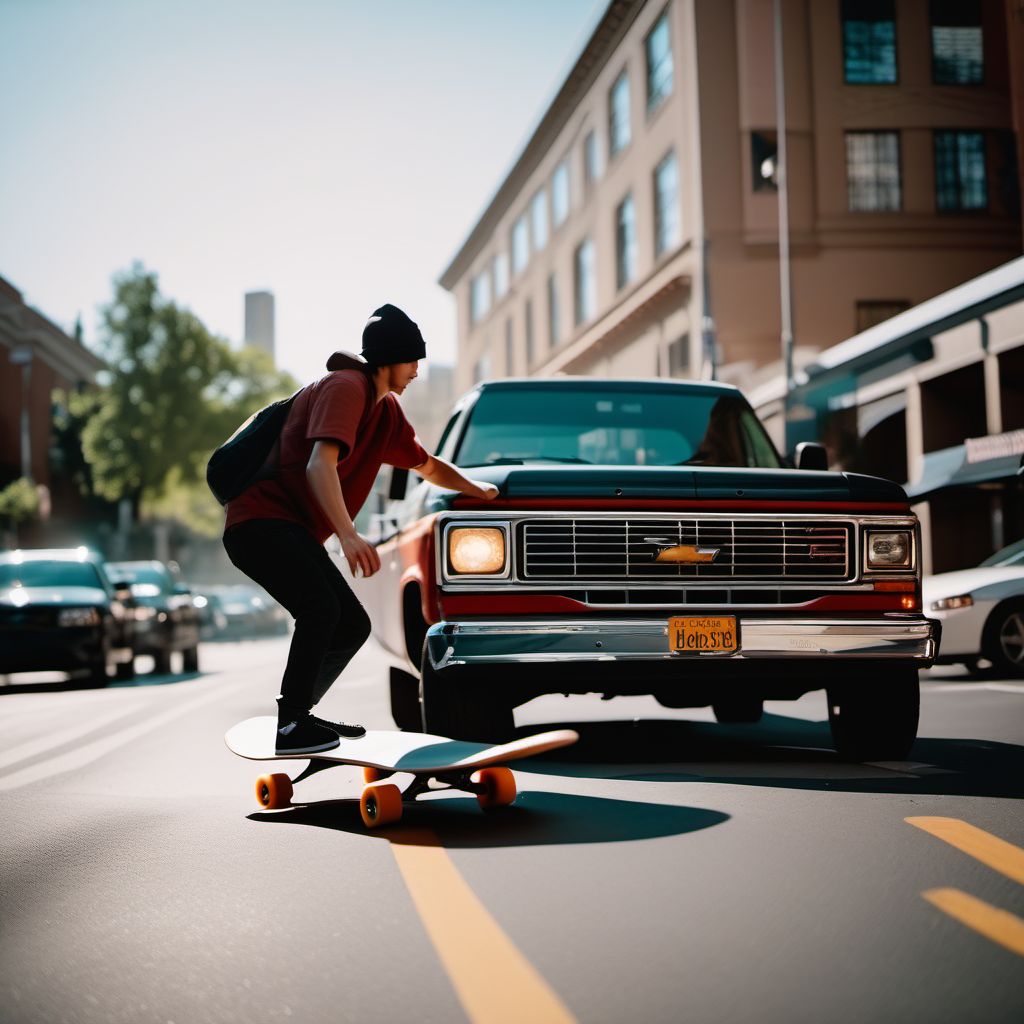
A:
965, 465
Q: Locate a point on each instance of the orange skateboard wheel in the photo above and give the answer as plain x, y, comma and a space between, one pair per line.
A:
380, 804
274, 791
374, 774
501, 787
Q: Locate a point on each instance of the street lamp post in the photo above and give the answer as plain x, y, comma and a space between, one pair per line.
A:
782, 181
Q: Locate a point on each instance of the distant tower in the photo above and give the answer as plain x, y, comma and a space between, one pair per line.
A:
259, 320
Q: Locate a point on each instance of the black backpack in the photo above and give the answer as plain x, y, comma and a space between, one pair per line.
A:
248, 455
244, 458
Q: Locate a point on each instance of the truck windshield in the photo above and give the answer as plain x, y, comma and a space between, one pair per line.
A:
614, 428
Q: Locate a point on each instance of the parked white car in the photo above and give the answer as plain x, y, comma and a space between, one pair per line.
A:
982, 611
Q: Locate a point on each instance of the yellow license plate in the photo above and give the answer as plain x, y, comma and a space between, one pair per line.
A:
702, 634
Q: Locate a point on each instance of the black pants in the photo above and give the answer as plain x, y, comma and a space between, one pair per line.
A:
330, 623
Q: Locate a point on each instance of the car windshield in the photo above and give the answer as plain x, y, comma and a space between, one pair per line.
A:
1013, 554
608, 427
145, 580
49, 574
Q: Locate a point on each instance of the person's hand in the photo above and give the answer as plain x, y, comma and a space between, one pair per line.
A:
361, 555
486, 491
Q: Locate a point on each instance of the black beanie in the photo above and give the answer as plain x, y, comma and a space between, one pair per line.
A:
391, 337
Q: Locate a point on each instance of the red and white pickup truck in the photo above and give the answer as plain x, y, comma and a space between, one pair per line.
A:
648, 539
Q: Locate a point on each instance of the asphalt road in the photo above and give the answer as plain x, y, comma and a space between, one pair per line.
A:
665, 869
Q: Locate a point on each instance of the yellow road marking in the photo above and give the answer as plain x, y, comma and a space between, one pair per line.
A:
998, 925
493, 980
998, 854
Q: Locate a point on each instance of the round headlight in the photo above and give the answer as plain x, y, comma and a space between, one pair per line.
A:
476, 550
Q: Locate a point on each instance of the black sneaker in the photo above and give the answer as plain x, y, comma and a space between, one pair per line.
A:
344, 729
304, 735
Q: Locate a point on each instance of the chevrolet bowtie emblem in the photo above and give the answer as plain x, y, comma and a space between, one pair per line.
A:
686, 554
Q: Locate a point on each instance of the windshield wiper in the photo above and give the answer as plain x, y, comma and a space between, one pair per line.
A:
532, 458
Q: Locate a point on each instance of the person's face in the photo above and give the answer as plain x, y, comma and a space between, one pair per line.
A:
401, 375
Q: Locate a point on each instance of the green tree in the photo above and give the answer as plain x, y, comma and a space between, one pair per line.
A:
172, 393
19, 503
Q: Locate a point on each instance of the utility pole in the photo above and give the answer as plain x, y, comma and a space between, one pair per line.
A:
782, 181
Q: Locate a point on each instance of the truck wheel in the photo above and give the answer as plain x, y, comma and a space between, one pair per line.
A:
459, 705
97, 674
162, 663
875, 719
738, 710
190, 660
405, 701
125, 669
1003, 641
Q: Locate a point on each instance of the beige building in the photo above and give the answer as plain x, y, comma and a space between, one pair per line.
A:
637, 233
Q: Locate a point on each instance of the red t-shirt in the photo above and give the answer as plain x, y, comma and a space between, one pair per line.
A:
332, 409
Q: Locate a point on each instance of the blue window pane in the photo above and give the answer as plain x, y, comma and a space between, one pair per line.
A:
618, 114
869, 42
957, 48
659, 63
960, 177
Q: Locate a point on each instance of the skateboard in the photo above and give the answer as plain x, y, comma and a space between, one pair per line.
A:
476, 768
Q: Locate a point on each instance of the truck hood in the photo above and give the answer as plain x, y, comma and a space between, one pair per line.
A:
685, 483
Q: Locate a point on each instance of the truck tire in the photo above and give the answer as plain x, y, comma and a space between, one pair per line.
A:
190, 660
738, 710
97, 675
162, 663
125, 670
457, 704
875, 719
405, 701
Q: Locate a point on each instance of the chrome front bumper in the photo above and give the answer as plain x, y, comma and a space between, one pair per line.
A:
527, 642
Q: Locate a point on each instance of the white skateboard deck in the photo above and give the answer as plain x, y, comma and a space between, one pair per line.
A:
393, 751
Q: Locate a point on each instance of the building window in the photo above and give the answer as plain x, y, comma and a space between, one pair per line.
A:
618, 114
869, 42
539, 220
500, 271
591, 158
960, 182
875, 311
520, 245
764, 157
553, 336
679, 357
957, 57
528, 333
509, 349
625, 242
479, 296
560, 193
873, 170
666, 205
659, 63
585, 281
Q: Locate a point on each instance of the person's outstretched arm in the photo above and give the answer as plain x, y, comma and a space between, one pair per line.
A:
444, 474
322, 474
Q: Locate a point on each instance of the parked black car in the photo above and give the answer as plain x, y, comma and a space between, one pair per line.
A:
166, 619
60, 611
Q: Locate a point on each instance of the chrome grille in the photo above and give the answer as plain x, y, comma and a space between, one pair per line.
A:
617, 548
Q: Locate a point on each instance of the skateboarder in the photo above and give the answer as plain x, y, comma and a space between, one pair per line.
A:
339, 431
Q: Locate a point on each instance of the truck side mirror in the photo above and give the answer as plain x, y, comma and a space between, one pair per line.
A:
399, 483
811, 455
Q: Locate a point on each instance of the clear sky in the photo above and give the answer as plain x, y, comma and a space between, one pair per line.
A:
336, 152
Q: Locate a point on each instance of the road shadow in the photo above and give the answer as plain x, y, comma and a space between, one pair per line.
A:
536, 819
85, 683
779, 752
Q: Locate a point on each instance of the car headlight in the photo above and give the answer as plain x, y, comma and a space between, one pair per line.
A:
476, 550
78, 617
890, 550
948, 604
